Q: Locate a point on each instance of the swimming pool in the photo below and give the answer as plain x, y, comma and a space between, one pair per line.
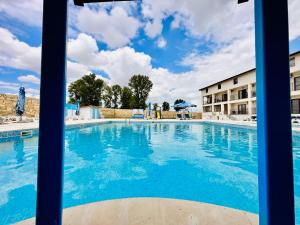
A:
194, 161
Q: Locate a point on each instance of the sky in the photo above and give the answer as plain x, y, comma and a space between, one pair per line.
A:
181, 45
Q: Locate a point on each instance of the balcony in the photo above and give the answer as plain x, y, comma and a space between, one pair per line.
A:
253, 94
217, 100
221, 99
238, 96
239, 112
207, 102
207, 109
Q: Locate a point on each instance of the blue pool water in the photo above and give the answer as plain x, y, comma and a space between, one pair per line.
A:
195, 161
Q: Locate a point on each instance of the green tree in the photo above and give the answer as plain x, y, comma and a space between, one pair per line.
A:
88, 90
126, 98
165, 106
141, 86
177, 101
108, 96
155, 105
116, 95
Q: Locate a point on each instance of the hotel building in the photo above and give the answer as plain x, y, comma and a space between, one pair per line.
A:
235, 97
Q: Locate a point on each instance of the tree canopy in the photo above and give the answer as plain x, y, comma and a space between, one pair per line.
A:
88, 90
165, 106
141, 86
108, 96
92, 91
116, 95
126, 98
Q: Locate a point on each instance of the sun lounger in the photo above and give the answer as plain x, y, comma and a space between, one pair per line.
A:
179, 116
187, 116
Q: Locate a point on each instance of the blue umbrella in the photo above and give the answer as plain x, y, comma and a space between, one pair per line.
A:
20, 106
184, 105
149, 109
78, 107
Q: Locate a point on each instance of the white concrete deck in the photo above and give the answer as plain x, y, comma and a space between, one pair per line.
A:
153, 211
34, 125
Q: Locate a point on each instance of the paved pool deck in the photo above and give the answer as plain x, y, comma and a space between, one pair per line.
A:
17, 126
153, 211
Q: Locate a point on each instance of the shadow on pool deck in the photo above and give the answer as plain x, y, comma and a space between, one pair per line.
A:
153, 211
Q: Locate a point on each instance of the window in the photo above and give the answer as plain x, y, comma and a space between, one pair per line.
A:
217, 108
219, 86
292, 62
207, 109
235, 80
243, 94
242, 109
224, 97
297, 83
206, 90
296, 106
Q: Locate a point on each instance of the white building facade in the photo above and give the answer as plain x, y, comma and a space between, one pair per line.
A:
235, 97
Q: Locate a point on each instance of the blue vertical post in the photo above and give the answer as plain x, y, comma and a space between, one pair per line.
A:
276, 190
52, 101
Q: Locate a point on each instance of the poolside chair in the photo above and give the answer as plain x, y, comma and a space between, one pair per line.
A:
187, 116
137, 114
179, 116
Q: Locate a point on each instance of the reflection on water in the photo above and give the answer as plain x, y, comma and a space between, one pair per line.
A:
193, 161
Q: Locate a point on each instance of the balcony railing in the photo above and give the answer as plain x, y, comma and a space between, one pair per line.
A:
207, 109
207, 102
221, 99
218, 100
239, 112
237, 97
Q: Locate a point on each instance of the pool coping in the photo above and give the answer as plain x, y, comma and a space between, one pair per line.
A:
16, 129
153, 211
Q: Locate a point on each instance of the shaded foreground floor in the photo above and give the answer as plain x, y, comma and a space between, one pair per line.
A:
153, 211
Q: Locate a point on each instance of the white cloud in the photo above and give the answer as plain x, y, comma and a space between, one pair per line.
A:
29, 79
13, 88
161, 42
18, 54
115, 28
29, 11
215, 20
119, 64
294, 22
176, 22
153, 28
83, 49
76, 71
9, 86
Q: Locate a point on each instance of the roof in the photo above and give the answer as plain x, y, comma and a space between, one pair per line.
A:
237, 75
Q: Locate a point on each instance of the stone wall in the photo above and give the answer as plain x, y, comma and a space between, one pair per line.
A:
127, 113
8, 106
116, 113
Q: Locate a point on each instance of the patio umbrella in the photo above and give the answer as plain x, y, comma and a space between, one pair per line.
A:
20, 106
78, 107
184, 105
149, 109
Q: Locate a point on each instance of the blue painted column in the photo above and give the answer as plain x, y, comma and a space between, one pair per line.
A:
276, 190
52, 101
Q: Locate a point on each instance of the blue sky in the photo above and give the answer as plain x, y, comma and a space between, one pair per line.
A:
180, 45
